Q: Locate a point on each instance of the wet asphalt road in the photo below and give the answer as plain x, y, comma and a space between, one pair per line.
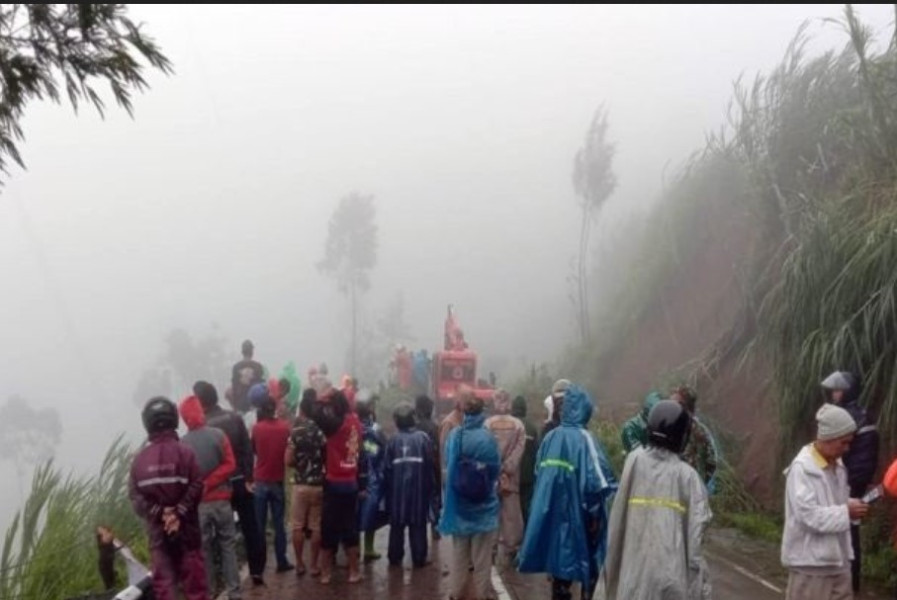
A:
431, 582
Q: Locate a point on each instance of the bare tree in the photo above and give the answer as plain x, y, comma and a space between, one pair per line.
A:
350, 253
594, 181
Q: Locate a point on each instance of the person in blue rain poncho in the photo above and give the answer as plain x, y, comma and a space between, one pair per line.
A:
372, 509
409, 476
471, 518
566, 535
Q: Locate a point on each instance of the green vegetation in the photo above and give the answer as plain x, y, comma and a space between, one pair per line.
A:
807, 168
51, 51
50, 549
818, 138
609, 435
808, 164
879, 556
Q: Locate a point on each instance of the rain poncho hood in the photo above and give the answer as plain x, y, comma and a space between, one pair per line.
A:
634, 432
460, 516
656, 530
650, 402
577, 409
192, 413
573, 483
292, 398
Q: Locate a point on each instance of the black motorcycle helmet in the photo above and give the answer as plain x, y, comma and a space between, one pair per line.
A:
669, 426
160, 414
403, 415
848, 382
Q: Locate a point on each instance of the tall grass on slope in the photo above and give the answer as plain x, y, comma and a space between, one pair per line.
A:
49, 551
818, 137
835, 306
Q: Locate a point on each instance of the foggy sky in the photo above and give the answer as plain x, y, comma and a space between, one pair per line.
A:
212, 205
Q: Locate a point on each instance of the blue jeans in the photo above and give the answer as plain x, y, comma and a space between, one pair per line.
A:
272, 494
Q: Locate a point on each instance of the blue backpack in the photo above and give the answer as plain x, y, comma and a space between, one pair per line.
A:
471, 479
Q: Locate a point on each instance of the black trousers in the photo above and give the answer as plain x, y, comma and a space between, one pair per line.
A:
244, 504
417, 539
526, 498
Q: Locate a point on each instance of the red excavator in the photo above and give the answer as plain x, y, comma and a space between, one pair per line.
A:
456, 364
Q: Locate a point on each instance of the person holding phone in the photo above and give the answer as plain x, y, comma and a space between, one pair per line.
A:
816, 546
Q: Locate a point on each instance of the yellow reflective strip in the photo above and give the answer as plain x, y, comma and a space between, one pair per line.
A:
554, 462
659, 503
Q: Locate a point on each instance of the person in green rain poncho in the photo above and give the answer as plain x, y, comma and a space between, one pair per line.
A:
291, 399
635, 430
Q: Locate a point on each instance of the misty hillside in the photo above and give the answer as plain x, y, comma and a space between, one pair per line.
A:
769, 261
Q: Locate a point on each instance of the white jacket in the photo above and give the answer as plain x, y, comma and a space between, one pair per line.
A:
817, 525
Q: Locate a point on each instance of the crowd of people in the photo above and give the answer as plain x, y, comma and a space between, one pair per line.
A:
506, 493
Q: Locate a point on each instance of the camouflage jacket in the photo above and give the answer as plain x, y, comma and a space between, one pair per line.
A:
700, 451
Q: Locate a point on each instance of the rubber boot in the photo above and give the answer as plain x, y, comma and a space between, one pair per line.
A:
369, 552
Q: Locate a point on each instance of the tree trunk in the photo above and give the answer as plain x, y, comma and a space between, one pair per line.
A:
894, 37
582, 277
354, 353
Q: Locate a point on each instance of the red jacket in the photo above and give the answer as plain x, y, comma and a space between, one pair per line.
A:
213, 451
344, 451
